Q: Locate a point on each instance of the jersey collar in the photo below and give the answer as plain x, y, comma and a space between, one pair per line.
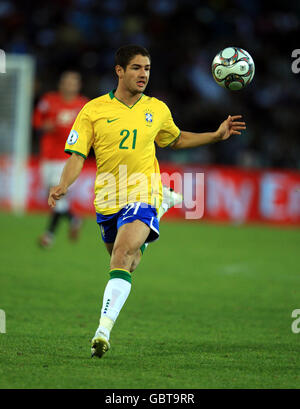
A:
112, 96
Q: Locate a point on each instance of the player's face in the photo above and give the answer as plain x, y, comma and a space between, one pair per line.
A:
136, 75
70, 83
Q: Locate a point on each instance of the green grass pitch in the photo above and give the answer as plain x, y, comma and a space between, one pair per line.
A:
210, 307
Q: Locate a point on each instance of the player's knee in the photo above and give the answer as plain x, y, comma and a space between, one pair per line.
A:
135, 261
123, 254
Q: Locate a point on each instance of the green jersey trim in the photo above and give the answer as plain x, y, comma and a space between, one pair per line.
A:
112, 96
78, 153
174, 139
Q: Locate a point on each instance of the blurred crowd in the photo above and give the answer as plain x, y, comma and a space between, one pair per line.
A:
183, 36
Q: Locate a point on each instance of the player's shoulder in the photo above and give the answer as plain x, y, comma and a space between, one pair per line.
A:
50, 96
155, 101
97, 102
47, 100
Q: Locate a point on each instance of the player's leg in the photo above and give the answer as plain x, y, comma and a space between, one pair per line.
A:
51, 171
170, 199
60, 211
136, 224
129, 239
109, 247
137, 257
136, 260
108, 229
75, 223
110, 232
50, 177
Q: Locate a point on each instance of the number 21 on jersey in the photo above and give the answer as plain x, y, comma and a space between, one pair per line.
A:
126, 142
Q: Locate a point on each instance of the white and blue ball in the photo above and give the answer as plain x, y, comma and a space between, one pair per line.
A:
233, 68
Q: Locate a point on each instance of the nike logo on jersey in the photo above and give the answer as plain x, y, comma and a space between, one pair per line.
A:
112, 120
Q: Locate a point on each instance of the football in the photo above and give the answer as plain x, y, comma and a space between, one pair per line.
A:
233, 68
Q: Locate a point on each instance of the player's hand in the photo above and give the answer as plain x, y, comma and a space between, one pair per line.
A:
231, 126
56, 192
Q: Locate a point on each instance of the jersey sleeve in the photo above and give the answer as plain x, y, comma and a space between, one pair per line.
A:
81, 136
41, 111
169, 132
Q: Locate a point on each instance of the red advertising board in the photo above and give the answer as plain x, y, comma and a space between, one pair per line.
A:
211, 193
238, 195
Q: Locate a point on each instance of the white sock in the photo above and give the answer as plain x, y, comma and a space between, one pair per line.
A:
164, 207
116, 293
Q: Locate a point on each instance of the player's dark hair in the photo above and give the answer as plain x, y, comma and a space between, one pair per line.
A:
125, 54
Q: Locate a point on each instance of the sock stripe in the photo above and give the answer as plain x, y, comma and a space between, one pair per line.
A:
119, 269
120, 273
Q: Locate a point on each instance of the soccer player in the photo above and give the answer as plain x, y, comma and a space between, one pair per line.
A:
123, 127
53, 118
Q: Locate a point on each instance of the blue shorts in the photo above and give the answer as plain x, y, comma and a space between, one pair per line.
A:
109, 224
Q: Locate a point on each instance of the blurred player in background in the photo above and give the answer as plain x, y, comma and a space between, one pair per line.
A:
122, 127
53, 118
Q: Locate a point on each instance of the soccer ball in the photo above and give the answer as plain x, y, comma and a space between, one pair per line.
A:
233, 68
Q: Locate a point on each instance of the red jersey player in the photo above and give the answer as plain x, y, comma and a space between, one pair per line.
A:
53, 118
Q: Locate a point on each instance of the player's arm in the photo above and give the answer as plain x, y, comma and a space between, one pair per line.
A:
78, 145
69, 174
40, 120
231, 126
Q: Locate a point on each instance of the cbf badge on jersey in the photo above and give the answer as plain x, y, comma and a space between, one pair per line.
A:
72, 138
148, 117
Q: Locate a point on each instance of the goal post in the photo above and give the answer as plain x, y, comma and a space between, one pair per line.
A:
16, 93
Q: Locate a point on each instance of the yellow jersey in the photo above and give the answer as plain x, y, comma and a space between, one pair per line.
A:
123, 141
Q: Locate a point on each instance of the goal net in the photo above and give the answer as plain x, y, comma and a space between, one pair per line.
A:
16, 88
